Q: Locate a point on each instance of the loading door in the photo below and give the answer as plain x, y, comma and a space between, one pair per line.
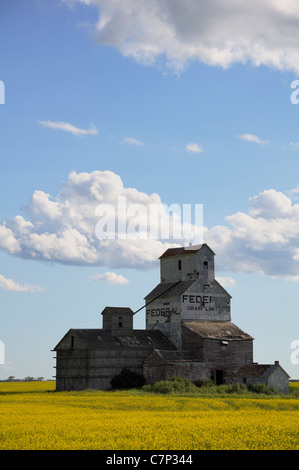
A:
219, 377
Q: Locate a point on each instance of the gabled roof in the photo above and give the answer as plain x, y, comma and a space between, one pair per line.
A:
170, 289
221, 287
226, 330
257, 370
183, 250
117, 310
102, 339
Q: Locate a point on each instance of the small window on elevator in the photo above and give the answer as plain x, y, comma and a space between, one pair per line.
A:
72, 341
179, 265
205, 265
120, 322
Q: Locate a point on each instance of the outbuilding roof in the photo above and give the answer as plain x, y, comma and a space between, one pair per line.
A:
118, 310
257, 370
102, 339
226, 331
183, 250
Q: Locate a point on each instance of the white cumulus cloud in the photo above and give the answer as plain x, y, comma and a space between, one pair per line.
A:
193, 148
264, 240
226, 281
110, 277
67, 127
252, 138
11, 285
132, 141
75, 227
216, 32
95, 220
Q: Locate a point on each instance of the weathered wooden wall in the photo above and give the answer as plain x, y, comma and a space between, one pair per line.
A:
95, 368
78, 368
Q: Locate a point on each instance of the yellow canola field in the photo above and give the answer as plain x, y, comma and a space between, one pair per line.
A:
34, 417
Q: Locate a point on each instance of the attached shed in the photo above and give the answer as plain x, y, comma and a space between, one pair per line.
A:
89, 358
162, 365
272, 375
222, 346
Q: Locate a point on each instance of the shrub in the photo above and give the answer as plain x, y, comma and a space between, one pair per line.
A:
206, 387
294, 389
172, 385
262, 388
180, 384
204, 383
236, 388
163, 386
127, 379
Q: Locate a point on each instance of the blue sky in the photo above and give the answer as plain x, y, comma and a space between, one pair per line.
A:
186, 102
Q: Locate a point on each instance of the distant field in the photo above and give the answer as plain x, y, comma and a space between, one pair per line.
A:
33, 416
